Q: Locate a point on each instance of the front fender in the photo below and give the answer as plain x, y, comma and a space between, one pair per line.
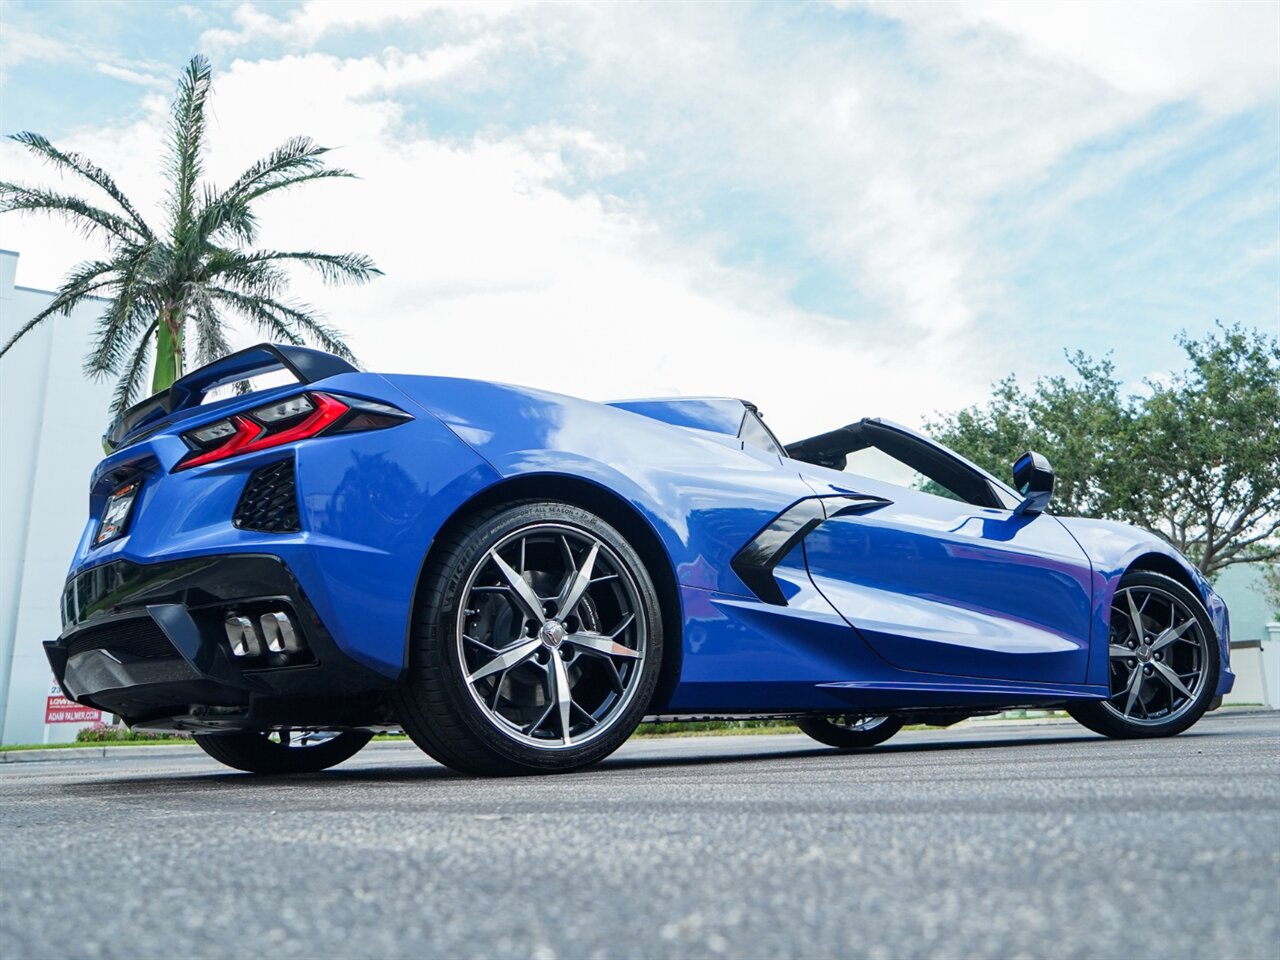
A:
1115, 548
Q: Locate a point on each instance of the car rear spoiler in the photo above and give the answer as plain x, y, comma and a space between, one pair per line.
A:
305, 364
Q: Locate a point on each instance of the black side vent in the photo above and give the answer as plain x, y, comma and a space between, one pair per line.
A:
270, 500
139, 638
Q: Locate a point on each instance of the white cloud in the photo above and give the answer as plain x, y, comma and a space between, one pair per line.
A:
507, 258
20, 45
315, 19
884, 159
492, 272
1221, 53
133, 76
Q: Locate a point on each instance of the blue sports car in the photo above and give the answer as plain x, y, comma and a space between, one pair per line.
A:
517, 578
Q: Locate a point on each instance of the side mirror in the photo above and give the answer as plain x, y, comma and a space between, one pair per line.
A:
1033, 478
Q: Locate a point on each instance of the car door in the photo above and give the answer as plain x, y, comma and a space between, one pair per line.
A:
945, 578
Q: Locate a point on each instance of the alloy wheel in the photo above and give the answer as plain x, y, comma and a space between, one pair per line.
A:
1158, 654
551, 636
858, 723
299, 739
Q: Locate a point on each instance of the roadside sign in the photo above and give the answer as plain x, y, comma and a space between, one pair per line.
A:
58, 709
61, 710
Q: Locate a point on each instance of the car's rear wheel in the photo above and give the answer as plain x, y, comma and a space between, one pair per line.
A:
850, 732
536, 643
1163, 661
283, 751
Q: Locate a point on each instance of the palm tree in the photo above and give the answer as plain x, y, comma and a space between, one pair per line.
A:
184, 281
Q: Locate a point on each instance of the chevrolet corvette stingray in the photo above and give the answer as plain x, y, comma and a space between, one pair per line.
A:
517, 579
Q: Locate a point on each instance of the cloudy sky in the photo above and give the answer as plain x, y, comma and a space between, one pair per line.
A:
832, 209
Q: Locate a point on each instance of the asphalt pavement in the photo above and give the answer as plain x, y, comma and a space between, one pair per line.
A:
999, 841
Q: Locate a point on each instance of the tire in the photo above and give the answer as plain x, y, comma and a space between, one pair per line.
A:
850, 732
1177, 637
492, 656
255, 752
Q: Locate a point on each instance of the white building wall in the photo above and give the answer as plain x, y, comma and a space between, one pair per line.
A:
1255, 653
51, 424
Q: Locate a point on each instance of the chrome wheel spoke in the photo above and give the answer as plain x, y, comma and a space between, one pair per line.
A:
561, 696
297, 739
1171, 635
614, 677
858, 724
1173, 679
576, 582
1134, 689
1119, 651
529, 602
512, 656
537, 724
1135, 617
599, 643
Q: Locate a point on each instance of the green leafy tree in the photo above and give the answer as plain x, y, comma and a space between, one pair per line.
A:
1271, 587
1196, 460
171, 291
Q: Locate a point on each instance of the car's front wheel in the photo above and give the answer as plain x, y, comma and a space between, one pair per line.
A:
283, 751
1163, 657
536, 643
855, 732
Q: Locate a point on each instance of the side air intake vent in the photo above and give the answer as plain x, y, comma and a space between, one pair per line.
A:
270, 500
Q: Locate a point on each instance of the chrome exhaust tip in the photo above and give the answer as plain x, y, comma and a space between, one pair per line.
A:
280, 633
243, 637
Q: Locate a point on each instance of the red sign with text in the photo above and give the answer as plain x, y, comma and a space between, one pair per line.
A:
58, 709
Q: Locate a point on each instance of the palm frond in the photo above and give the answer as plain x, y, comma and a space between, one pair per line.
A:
285, 182
334, 268
131, 308
130, 382
211, 339
210, 333
230, 211
292, 322
225, 216
268, 315
238, 270
84, 167
80, 284
297, 154
186, 132
82, 215
327, 336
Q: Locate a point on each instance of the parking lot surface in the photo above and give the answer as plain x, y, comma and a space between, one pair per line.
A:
991, 841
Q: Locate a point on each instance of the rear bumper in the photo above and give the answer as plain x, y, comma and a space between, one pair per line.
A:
148, 642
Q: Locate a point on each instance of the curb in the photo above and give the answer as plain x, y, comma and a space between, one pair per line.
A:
183, 750
132, 753
95, 753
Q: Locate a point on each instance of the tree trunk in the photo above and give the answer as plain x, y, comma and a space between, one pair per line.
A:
168, 365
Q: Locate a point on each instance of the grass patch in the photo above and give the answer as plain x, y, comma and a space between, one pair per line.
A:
122, 734
156, 741
714, 728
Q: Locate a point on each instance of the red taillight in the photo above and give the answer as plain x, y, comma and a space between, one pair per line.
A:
251, 435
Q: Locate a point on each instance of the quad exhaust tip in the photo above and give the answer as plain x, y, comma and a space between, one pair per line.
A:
280, 635
243, 637
273, 633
